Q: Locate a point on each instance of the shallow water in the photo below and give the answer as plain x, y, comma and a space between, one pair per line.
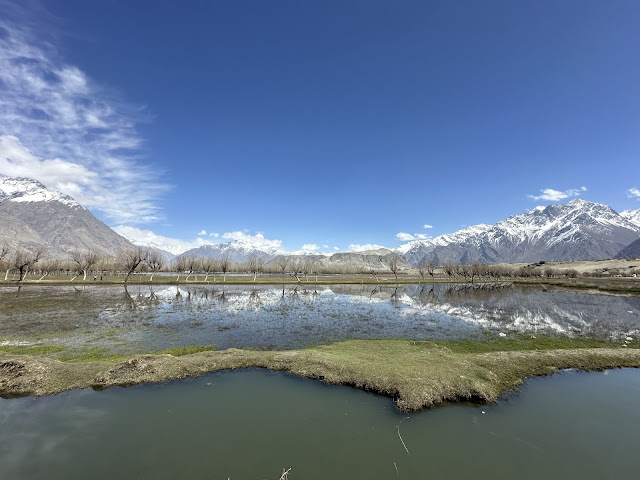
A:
253, 423
142, 318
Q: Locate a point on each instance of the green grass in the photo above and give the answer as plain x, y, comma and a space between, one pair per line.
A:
527, 342
30, 349
417, 374
180, 351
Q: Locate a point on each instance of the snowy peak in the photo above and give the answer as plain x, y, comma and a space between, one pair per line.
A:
21, 189
577, 230
632, 215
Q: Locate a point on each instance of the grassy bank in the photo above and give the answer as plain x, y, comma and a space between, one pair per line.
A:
415, 374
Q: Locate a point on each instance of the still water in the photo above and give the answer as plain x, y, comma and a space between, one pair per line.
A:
140, 318
251, 424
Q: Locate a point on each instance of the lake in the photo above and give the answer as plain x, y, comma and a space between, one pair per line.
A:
251, 424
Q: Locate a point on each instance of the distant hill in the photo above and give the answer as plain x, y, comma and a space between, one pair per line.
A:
31, 216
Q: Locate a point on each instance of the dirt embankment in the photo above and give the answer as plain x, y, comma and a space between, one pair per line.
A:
415, 374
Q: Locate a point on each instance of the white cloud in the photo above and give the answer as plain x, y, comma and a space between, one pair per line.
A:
214, 234
407, 237
149, 238
310, 246
325, 246
202, 232
428, 226
633, 193
63, 129
552, 195
355, 247
336, 248
256, 240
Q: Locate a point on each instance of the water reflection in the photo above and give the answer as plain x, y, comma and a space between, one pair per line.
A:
294, 316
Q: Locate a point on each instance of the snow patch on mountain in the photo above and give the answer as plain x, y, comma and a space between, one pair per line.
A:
632, 215
20, 189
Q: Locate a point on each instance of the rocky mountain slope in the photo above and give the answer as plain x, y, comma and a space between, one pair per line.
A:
577, 230
31, 216
630, 251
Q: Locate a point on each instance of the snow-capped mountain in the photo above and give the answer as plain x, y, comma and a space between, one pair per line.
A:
21, 189
632, 215
32, 216
236, 251
577, 230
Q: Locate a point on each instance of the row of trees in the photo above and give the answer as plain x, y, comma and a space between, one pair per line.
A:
143, 260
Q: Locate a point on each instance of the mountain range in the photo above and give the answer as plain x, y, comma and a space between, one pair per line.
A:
32, 216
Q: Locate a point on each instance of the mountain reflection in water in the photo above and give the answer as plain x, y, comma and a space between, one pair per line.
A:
289, 317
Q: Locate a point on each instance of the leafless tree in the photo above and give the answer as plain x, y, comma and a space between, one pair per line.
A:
192, 264
155, 262
315, 268
47, 267
375, 274
254, 265
179, 266
25, 260
294, 268
394, 264
130, 260
83, 260
225, 263
282, 262
209, 265
5, 264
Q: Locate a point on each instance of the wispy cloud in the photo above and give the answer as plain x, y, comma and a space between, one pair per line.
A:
355, 247
202, 232
427, 226
66, 130
214, 234
552, 195
310, 246
407, 237
633, 193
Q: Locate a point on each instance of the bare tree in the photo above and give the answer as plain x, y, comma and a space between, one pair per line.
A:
295, 267
394, 264
375, 274
179, 267
282, 262
24, 261
155, 262
209, 265
254, 265
83, 260
225, 263
130, 260
315, 268
47, 267
193, 264
5, 264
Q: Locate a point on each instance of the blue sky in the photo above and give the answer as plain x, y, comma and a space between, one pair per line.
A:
332, 123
